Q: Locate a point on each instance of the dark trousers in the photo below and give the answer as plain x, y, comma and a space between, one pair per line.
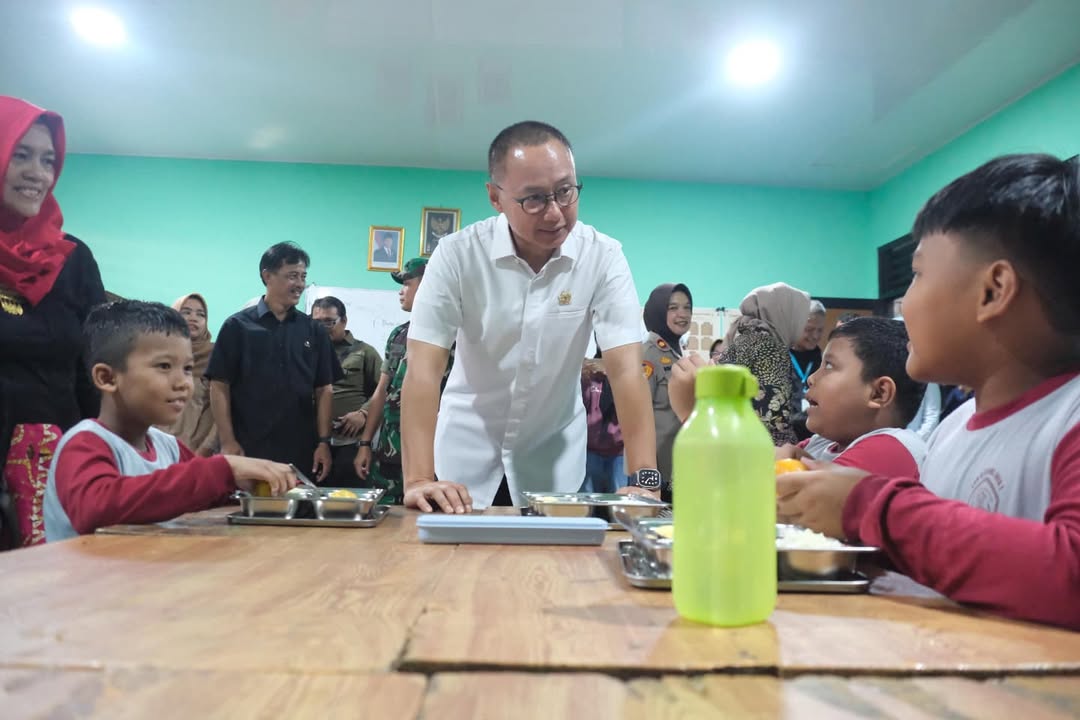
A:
502, 495
342, 472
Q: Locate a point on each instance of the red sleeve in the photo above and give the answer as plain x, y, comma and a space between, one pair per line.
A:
880, 455
94, 494
1019, 568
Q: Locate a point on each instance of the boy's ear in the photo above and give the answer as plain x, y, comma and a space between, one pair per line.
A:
1000, 286
882, 392
104, 377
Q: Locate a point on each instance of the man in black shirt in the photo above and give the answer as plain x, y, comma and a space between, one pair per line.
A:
272, 373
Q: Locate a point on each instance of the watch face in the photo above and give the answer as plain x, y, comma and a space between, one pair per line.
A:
648, 479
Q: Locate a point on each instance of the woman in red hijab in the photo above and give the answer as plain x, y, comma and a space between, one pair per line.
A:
48, 283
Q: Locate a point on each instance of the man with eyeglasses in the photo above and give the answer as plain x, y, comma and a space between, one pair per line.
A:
362, 367
521, 293
272, 372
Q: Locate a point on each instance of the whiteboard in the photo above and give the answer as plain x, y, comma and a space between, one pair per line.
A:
372, 313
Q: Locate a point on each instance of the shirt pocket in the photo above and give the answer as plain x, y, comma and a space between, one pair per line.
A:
560, 326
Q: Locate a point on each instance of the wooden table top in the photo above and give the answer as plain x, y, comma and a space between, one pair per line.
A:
143, 693
197, 595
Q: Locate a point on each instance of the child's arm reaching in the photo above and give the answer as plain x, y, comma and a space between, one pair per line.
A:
1016, 567
94, 494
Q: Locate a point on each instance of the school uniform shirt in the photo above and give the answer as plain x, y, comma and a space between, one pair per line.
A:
98, 479
892, 452
996, 520
272, 368
657, 358
512, 404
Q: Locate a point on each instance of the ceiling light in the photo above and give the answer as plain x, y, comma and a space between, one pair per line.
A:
98, 26
753, 62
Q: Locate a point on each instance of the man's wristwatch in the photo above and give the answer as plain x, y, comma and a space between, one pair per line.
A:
646, 479
327, 440
363, 443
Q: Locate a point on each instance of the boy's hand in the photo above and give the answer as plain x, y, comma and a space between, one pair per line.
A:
362, 463
249, 471
815, 499
791, 452
681, 384
321, 462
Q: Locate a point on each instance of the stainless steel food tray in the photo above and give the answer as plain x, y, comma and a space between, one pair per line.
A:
377, 515
311, 504
601, 505
641, 572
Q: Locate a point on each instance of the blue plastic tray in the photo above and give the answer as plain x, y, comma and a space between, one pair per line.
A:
510, 530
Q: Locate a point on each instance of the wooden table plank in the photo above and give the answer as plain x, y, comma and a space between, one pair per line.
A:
331, 602
140, 694
570, 608
526, 696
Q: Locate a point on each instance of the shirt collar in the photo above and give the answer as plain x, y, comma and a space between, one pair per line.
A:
263, 309
502, 245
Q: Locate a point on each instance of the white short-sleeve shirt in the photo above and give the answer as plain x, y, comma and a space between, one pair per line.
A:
512, 404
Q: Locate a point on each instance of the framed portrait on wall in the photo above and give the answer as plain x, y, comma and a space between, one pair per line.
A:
435, 224
385, 245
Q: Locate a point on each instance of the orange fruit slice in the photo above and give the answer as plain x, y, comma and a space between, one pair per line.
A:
789, 465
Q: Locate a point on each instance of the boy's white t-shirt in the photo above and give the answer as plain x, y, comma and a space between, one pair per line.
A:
1001, 460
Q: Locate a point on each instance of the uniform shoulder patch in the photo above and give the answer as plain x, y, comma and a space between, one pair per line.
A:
662, 344
648, 368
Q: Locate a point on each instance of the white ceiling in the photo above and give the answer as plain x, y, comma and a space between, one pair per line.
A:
868, 86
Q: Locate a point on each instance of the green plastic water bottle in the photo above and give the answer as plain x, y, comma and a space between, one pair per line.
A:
724, 565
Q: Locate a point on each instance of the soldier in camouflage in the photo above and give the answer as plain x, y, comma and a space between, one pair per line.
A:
384, 408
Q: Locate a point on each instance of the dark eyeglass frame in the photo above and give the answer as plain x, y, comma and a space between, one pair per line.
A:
327, 322
546, 198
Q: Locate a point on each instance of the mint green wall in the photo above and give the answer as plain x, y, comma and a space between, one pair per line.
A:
1045, 120
161, 228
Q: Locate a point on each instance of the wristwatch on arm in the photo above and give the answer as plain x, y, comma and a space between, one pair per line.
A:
646, 479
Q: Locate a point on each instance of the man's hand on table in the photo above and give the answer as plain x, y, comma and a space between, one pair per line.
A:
429, 495
635, 490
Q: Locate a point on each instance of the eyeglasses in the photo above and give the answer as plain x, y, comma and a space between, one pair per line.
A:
535, 204
329, 322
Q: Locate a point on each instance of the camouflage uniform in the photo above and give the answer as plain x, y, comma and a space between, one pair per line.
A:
386, 470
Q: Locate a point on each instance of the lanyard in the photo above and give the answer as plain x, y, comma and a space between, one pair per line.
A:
803, 375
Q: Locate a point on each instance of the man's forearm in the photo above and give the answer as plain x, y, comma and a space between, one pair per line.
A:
419, 412
324, 408
634, 409
221, 409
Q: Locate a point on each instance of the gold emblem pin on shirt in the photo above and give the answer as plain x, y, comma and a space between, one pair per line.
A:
564, 297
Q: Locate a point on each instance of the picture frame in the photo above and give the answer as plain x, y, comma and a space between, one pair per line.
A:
435, 224
385, 247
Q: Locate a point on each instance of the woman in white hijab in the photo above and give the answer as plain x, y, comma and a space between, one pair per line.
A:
772, 320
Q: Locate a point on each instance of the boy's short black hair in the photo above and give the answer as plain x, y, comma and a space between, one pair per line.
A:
881, 346
112, 329
330, 302
528, 134
283, 253
1026, 208
847, 317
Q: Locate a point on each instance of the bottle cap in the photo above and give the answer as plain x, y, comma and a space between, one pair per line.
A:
730, 381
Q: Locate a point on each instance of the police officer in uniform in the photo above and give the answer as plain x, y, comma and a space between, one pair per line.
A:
667, 318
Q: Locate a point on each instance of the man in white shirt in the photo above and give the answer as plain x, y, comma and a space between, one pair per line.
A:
521, 293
